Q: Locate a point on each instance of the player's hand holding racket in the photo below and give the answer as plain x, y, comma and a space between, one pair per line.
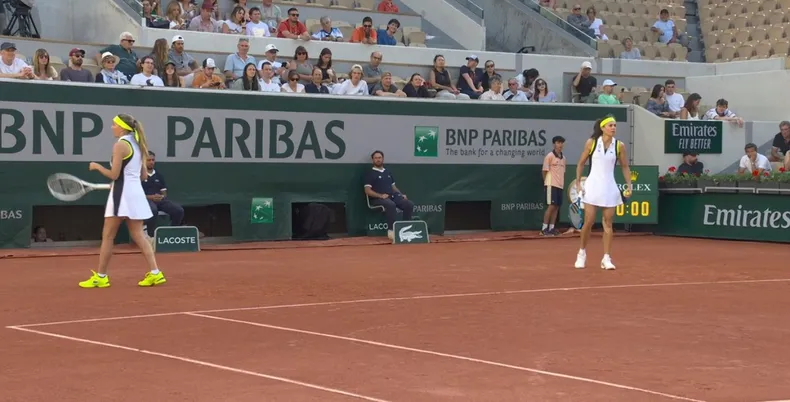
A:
66, 187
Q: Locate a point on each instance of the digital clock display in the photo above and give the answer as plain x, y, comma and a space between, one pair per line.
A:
640, 208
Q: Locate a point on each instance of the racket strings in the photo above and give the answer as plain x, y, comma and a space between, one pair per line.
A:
65, 186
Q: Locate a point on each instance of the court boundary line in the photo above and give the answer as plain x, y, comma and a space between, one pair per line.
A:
204, 364
446, 355
407, 298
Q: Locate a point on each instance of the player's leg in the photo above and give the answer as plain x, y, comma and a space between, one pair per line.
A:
589, 221
608, 233
99, 279
154, 276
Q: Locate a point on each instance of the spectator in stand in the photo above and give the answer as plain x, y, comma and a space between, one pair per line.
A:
151, 19
387, 6
469, 82
608, 97
272, 16
542, 93
159, 54
40, 235
667, 30
324, 64
108, 73
386, 88
690, 165
267, 81
278, 68
188, 9
301, 65
292, 28
365, 34
189, 78
169, 76
780, 148
236, 24
674, 99
753, 161
11, 66
580, 22
722, 112
630, 52
513, 93
293, 85
41, 67
495, 93
128, 63
526, 81
206, 79
248, 81
174, 16
690, 110
236, 63
584, 83
595, 23
256, 27
416, 87
552, 4
489, 73
179, 56
372, 70
146, 77
355, 85
387, 36
316, 86
657, 104
74, 72
205, 22
327, 32
381, 191
441, 80
243, 5
156, 192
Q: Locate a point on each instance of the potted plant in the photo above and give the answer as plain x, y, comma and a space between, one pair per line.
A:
783, 178
706, 180
749, 180
727, 180
672, 179
769, 180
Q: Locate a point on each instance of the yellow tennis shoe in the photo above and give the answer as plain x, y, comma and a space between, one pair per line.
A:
152, 279
96, 281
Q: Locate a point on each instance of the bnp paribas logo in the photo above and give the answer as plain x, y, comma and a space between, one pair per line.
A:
426, 141
262, 210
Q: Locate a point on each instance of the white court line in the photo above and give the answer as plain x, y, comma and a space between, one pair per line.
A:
204, 364
429, 352
407, 298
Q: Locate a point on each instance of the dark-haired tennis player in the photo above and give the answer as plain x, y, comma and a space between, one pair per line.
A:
126, 200
553, 178
600, 188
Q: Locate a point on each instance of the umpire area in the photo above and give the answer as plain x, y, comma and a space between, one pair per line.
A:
679, 320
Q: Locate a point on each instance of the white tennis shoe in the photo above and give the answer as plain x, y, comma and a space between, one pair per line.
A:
581, 259
606, 263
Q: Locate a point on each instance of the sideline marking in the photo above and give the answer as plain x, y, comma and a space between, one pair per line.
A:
430, 352
405, 298
204, 364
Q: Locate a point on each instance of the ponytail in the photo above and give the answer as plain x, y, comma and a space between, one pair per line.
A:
142, 142
597, 130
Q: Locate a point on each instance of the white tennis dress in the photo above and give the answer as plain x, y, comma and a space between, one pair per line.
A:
600, 187
127, 198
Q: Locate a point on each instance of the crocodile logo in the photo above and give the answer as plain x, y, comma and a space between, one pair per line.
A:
406, 235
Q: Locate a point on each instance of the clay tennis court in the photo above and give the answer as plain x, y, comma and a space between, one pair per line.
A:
680, 319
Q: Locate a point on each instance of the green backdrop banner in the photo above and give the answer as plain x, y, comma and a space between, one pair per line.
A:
693, 136
726, 216
260, 154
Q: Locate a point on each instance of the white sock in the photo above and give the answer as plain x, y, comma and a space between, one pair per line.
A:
582, 251
155, 271
102, 275
544, 226
551, 227
607, 257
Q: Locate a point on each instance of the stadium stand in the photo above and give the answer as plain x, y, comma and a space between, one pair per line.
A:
745, 30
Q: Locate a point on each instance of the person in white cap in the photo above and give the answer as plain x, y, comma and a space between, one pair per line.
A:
128, 61
608, 97
584, 83
278, 68
207, 79
180, 58
109, 73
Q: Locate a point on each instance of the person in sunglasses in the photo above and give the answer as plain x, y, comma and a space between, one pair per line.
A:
292, 28
365, 34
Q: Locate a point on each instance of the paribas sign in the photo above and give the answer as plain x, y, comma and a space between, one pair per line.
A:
746, 218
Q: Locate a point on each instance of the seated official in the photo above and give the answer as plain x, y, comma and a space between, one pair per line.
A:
381, 190
691, 165
753, 161
156, 192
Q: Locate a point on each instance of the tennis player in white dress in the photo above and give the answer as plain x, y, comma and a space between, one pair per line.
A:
126, 201
600, 188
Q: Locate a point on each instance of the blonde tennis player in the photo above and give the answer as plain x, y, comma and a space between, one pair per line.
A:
126, 200
600, 188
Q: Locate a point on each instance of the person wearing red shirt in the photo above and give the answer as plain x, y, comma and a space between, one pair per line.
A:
292, 28
387, 6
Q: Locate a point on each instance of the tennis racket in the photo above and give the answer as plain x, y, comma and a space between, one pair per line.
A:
66, 187
576, 213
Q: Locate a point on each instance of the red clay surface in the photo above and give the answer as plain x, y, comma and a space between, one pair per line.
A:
719, 334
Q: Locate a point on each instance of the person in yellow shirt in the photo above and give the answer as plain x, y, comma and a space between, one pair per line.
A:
553, 183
